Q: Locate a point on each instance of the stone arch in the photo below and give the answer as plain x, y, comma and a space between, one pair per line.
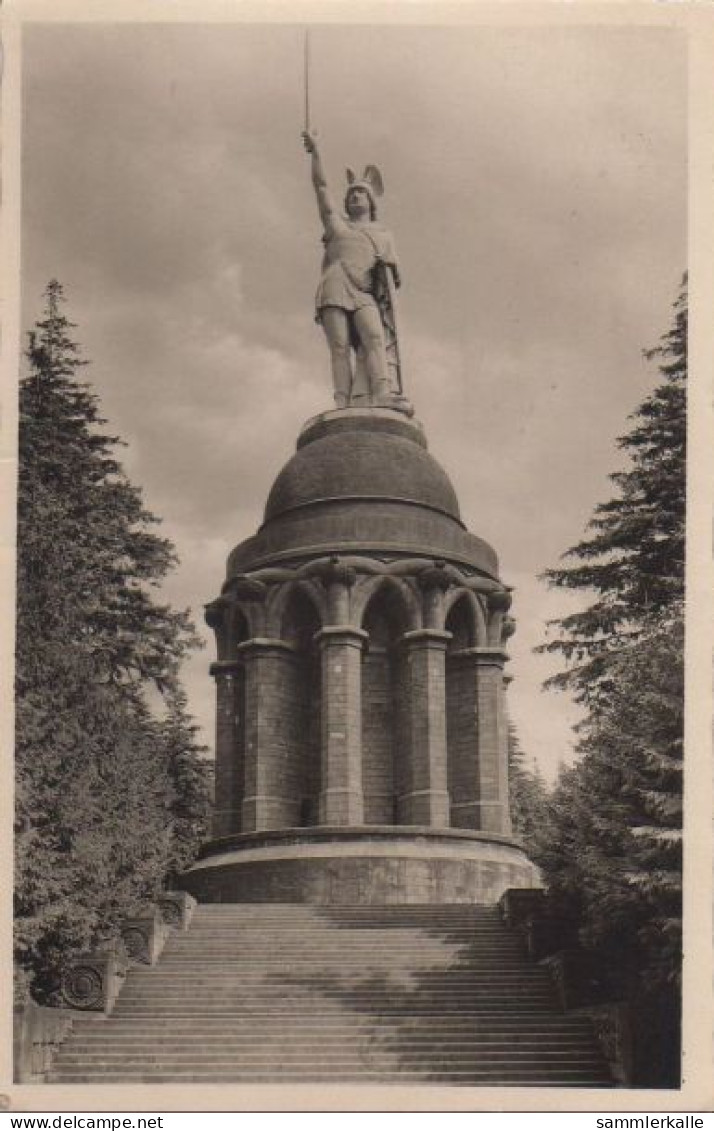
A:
283, 597
464, 610
386, 616
301, 691
401, 596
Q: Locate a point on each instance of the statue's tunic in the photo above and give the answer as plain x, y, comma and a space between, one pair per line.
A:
351, 253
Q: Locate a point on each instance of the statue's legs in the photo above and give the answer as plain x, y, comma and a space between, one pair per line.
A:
368, 325
337, 331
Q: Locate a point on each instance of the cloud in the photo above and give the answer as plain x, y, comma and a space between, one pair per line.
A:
536, 185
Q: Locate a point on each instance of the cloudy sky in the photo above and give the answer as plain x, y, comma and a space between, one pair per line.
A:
536, 185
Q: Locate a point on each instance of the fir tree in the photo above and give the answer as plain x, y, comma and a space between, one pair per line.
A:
527, 793
611, 841
191, 779
95, 830
632, 563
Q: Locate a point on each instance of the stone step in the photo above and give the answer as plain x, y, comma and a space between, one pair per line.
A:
367, 987
318, 1049
316, 1043
375, 1059
357, 911
384, 1012
298, 927
520, 1076
294, 992
297, 996
419, 957
448, 965
400, 977
277, 994
387, 938
517, 1025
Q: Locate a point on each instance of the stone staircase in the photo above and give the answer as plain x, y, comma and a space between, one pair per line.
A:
287, 993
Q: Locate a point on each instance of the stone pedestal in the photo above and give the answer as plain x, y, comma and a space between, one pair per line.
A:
361, 721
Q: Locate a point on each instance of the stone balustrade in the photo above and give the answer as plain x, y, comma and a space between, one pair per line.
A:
92, 981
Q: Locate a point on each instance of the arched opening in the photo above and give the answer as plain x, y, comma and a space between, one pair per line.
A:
461, 715
302, 707
384, 707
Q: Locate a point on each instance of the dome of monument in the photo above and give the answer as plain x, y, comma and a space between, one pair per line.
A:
360, 456
362, 482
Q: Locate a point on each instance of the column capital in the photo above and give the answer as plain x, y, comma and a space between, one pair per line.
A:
434, 577
225, 667
341, 634
335, 572
263, 645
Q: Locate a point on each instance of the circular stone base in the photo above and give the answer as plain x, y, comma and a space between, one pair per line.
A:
370, 865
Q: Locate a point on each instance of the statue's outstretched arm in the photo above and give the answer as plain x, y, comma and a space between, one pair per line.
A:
325, 202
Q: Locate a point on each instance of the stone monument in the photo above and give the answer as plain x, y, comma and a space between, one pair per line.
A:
361, 739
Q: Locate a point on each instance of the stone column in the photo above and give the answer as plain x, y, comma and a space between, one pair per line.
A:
268, 802
229, 748
426, 800
493, 805
341, 797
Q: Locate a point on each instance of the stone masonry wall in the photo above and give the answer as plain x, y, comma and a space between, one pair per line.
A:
462, 742
377, 738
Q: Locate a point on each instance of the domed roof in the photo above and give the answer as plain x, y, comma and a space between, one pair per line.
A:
361, 482
360, 456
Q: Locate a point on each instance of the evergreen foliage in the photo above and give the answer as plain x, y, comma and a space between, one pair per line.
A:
633, 559
527, 794
100, 783
610, 846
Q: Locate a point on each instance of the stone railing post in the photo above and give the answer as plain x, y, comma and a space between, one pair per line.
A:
144, 935
92, 980
341, 796
177, 908
38, 1031
426, 799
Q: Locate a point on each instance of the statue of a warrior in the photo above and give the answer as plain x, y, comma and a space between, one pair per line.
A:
355, 297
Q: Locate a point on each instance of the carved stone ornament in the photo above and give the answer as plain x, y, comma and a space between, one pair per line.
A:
176, 909
170, 909
83, 986
508, 628
335, 572
136, 942
500, 601
214, 612
434, 577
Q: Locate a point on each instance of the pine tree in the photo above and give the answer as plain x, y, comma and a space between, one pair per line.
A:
633, 561
191, 779
611, 841
94, 829
527, 793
